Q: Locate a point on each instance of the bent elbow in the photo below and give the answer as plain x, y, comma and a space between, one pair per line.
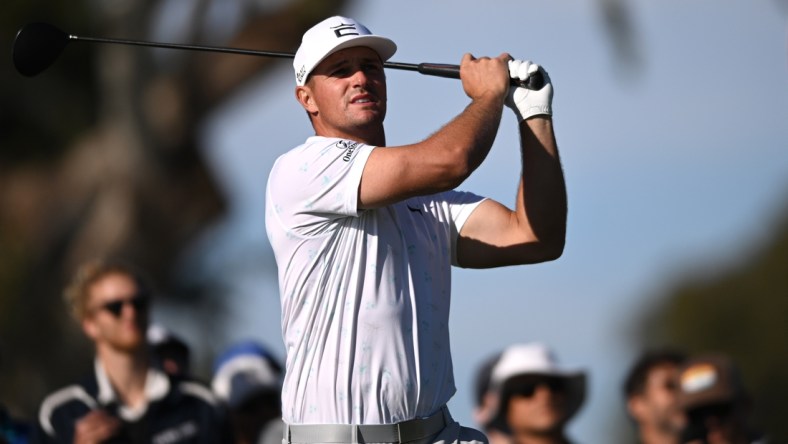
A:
551, 250
554, 251
453, 172
456, 177
461, 164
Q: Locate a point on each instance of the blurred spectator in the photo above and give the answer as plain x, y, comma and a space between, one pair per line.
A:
169, 352
717, 406
650, 390
484, 402
125, 399
12, 430
249, 379
533, 398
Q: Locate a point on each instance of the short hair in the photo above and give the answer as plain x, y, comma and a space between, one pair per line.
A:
481, 383
77, 291
635, 382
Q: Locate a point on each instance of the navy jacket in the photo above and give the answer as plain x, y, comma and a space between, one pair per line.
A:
179, 411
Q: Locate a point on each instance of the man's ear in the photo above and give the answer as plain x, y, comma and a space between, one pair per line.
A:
306, 99
90, 329
484, 413
635, 407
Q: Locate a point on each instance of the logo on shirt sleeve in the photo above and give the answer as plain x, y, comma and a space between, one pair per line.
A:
349, 147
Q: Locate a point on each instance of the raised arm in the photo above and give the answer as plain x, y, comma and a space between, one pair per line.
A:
449, 156
535, 230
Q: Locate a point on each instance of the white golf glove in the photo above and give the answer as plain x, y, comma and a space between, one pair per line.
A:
527, 102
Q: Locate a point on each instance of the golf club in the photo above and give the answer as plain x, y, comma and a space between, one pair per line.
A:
38, 45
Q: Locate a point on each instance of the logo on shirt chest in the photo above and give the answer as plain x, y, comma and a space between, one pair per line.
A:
179, 433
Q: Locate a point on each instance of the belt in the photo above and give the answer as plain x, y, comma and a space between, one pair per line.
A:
402, 432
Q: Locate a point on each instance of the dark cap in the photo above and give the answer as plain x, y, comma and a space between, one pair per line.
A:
709, 380
244, 371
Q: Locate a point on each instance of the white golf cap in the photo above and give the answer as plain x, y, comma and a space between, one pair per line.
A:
331, 35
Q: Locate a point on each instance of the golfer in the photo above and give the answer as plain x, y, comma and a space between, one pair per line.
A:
365, 235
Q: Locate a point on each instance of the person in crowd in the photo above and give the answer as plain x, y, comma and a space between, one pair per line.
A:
484, 405
125, 398
715, 401
13, 430
171, 353
365, 234
650, 390
534, 398
249, 380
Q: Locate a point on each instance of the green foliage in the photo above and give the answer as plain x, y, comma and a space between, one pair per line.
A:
742, 312
66, 138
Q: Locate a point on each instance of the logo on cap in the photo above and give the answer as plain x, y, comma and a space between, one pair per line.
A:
698, 378
345, 29
301, 73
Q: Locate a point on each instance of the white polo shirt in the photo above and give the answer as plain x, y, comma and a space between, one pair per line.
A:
365, 293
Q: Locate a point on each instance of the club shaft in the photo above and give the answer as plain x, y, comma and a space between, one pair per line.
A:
430, 69
450, 71
182, 46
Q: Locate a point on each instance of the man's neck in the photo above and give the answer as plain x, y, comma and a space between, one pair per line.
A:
497, 437
374, 136
654, 435
126, 372
554, 438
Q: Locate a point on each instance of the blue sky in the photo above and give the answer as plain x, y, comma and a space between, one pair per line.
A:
678, 168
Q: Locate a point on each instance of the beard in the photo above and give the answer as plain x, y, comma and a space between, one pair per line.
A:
670, 423
127, 338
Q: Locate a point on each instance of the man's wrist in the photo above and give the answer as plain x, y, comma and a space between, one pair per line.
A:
538, 121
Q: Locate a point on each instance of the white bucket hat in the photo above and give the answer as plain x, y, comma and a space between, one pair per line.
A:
533, 359
331, 35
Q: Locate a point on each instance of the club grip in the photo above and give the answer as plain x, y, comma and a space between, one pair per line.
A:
534, 82
440, 70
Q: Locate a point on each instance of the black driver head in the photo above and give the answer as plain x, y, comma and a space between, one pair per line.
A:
36, 47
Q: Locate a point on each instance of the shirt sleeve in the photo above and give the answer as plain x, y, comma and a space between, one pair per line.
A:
460, 205
317, 183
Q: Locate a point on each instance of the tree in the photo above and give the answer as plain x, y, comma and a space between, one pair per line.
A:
742, 311
100, 157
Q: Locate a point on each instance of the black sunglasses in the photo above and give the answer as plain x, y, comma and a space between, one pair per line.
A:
527, 388
140, 303
721, 410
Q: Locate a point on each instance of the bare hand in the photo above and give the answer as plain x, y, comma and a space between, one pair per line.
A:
485, 76
95, 427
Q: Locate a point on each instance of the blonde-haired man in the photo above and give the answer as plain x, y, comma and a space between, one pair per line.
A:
126, 398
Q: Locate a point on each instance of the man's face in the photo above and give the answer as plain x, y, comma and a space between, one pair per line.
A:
657, 404
117, 313
537, 406
346, 93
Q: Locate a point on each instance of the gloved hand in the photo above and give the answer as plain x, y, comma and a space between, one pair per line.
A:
526, 102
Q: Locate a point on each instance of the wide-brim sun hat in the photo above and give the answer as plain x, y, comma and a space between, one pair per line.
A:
334, 34
533, 359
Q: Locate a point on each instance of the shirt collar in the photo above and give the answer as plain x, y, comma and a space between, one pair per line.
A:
157, 385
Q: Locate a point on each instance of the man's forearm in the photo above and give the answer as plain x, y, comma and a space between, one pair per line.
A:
542, 197
466, 140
